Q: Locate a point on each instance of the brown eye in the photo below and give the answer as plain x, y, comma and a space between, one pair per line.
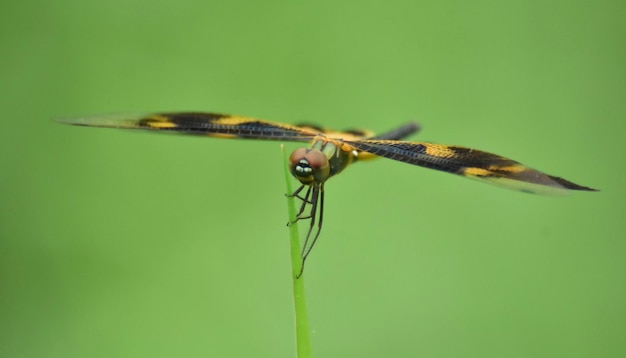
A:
297, 155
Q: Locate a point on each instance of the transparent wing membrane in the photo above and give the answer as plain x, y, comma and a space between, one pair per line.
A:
340, 149
203, 124
470, 163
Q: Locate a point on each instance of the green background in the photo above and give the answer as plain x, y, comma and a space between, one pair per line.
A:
123, 244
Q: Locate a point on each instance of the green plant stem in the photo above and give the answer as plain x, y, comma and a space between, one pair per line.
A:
303, 336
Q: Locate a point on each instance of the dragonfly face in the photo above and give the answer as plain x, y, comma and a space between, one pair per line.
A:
309, 166
323, 159
331, 152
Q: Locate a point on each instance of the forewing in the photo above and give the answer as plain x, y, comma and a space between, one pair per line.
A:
203, 124
470, 163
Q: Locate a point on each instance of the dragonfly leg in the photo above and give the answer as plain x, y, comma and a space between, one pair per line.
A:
296, 193
312, 217
305, 253
317, 197
305, 200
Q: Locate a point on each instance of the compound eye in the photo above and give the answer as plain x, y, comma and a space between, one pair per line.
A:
309, 166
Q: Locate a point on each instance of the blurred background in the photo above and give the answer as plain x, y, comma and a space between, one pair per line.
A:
125, 244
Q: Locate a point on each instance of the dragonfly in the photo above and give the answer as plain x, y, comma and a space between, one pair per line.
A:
330, 152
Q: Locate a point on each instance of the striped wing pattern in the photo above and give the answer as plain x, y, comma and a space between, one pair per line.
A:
467, 162
470, 163
203, 124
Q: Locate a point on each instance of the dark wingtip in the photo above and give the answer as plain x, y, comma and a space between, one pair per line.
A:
571, 186
414, 126
399, 133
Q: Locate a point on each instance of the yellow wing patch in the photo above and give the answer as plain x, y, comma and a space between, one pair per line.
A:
439, 150
363, 145
158, 122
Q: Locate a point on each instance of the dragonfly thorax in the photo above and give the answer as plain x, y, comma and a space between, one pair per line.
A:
309, 166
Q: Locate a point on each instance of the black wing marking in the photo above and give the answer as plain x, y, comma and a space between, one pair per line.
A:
203, 124
399, 133
470, 163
